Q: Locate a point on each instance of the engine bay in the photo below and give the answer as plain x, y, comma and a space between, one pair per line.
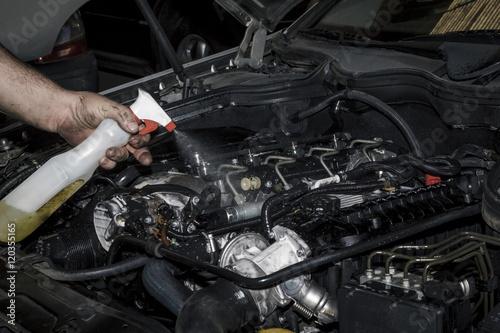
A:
289, 198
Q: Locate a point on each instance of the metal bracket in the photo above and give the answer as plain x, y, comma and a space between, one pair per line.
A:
257, 34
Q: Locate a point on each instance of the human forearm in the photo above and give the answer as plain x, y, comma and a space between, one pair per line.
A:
30, 96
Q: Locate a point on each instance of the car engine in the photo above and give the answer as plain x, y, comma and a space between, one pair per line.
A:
291, 198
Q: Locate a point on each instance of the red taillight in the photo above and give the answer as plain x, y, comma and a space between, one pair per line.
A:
70, 42
65, 51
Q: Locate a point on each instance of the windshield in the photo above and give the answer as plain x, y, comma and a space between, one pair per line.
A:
391, 20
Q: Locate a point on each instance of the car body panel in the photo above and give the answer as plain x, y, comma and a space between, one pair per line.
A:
29, 29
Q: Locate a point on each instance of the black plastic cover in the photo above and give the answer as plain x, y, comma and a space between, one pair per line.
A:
377, 307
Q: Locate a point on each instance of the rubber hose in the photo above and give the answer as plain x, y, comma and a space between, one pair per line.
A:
474, 162
117, 244
219, 308
204, 201
372, 101
158, 278
93, 273
215, 191
436, 165
469, 149
278, 199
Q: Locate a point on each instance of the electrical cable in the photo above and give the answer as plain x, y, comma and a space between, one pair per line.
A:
372, 101
92, 273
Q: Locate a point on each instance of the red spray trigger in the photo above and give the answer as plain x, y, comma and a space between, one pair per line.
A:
146, 110
151, 126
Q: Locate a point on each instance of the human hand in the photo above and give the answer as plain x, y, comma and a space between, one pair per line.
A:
87, 112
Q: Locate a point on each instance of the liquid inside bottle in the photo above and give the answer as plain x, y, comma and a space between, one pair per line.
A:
24, 223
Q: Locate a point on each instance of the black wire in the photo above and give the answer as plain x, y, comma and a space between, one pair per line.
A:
372, 101
435, 165
93, 273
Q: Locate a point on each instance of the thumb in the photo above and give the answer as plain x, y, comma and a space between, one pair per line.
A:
125, 118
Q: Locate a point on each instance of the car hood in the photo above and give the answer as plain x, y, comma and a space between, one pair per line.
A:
268, 12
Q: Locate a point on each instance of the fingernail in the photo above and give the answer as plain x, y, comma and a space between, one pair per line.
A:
145, 159
132, 126
111, 153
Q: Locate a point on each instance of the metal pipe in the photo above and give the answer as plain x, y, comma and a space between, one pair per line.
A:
464, 234
365, 150
238, 169
411, 262
448, 257
353, 142
322, 149
464, 250
385, 253
322, 160
477, 237
284, 160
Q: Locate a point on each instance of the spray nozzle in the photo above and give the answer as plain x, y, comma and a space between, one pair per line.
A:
146, 110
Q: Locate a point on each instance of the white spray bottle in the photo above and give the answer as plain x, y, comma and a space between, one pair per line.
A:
31, 203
